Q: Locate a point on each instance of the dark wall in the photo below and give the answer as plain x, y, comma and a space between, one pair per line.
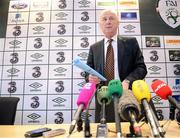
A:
151, 22
4, 6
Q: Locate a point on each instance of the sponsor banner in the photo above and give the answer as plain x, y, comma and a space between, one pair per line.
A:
15, 44
83, 42
156, 70
38, 30
153, 55
129, 29
59, 102
129, 16
60, 57
39, 17
16, 5
128, 4
14, 58
158, 102
174, 84
104, 4
40, 5
61, 16
34, 117
13, 72
172, 55
60, 71
84, 4
36, 87
152, 41
173, 69
59, 117
60, 86
61, 29
84, 16
16, 31
78, 84
12, 87
36, 72
172, 41
63, 42
18, 18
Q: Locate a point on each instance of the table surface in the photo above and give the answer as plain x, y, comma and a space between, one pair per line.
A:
18, 131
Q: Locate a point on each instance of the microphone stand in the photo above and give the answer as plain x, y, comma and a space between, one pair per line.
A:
135, 130
102, 127
117, 118
150, 119
87, 132
160, 129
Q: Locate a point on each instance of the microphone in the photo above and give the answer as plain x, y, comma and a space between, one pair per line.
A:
84, 97
164, 91
129, 110
104, 98
142, 93
86, 68
115, 89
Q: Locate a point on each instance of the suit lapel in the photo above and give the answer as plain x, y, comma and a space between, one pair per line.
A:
101, 60
120, 47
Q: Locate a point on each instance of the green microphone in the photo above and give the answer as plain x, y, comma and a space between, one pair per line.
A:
115, 89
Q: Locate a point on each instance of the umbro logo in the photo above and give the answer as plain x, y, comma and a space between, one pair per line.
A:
129, 27
13, 71
84, 3
59, 101
35, 85
84, 28
60, 70
37, 56
38, 28
83, 55
155, 69
61, 41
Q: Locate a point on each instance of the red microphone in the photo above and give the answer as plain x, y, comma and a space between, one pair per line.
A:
164, 91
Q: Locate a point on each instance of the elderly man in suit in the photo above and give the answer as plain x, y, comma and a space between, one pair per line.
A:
128, 60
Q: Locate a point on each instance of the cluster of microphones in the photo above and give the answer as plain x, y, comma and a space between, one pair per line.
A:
126, 105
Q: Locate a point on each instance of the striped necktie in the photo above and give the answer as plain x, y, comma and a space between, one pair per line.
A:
109, 65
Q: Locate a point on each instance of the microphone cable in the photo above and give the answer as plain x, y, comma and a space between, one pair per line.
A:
87, 132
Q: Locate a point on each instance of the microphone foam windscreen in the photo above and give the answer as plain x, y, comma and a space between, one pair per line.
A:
103, 94
86, 94
128, 102
161, 89
141, 90
115, 87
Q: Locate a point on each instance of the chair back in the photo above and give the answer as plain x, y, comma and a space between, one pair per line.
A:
8, 106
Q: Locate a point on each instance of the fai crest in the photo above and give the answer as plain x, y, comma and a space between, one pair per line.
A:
169, 11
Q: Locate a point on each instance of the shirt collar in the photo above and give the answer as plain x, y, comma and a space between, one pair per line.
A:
114, 39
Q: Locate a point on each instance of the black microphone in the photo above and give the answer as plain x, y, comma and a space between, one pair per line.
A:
129, 110
104, 98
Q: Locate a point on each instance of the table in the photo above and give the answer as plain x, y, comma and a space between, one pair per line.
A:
18, 131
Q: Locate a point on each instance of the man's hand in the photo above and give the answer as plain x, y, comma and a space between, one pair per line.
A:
125, 85
94, 79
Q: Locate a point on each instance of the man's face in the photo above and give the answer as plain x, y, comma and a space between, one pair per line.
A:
109, 23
